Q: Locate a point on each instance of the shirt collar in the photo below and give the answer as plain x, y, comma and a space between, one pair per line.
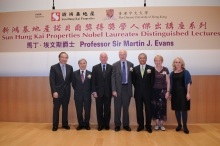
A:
143, 66
124, 61
103, 64
62, 65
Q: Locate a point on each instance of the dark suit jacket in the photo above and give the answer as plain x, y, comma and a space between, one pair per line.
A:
100, 84
57, 83
82, 91
143, 86
117, 77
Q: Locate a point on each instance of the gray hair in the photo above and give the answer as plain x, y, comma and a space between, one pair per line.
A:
82, 60
142, 54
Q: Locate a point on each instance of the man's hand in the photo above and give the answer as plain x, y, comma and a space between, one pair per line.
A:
55, 95
95, 95
114, 93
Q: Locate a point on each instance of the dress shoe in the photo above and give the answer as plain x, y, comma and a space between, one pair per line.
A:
149, 130
67, 127
186, 130
127, 128
79, 127
178, 128
117, 128
100, 128
107, 127
140, 128
87, 127
54, 128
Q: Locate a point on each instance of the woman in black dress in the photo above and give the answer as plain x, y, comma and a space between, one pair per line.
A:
180, 81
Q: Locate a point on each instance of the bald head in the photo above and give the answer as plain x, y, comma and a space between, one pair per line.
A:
122, 54
103, 58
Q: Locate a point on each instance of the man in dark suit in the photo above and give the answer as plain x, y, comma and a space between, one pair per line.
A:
60, 79
82, 94
102, 91
143, 80
122, 89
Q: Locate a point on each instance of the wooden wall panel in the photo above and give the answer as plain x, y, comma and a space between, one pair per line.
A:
28, 99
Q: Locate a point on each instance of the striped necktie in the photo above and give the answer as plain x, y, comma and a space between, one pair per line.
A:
82, 76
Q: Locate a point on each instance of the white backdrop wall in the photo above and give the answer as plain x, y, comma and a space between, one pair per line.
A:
203, 62
198, 62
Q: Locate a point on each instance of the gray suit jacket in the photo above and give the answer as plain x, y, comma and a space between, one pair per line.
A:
117, 77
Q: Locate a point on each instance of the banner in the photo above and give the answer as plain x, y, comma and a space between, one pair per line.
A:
136, 28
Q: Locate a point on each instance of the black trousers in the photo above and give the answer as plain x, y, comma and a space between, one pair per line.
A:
103, 110
140, 101
57, 102
80, 104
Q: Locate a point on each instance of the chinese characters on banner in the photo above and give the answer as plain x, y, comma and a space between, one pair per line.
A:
110, 29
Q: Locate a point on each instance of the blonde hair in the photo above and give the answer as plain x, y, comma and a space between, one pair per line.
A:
182, 63
158, 56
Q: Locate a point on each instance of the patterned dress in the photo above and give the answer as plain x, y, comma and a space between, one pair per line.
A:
159, 102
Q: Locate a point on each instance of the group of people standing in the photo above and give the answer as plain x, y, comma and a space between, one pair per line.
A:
152, 87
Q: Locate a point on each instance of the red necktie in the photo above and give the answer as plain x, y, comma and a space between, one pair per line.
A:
82, 77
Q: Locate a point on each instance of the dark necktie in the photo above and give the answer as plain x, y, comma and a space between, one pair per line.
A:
82, 77
123, 74
103, 70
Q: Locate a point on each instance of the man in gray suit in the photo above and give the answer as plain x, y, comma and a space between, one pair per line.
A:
122, 89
